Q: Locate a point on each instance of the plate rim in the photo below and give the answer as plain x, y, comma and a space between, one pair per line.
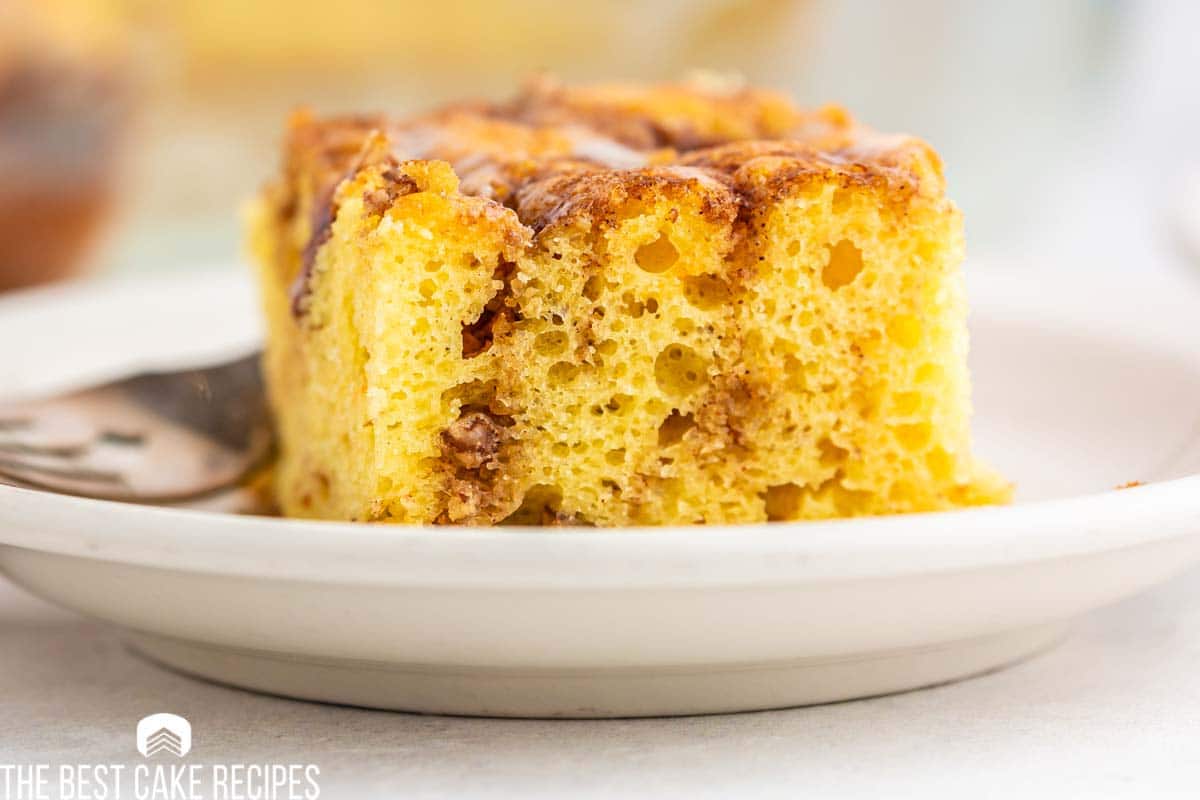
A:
750, 554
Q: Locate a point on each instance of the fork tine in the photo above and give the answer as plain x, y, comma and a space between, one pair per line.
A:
17, 469
53, 451
121, 439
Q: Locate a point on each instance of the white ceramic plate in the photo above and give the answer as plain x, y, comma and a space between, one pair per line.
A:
1081, 385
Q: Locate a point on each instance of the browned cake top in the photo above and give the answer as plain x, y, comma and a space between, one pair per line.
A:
554, 153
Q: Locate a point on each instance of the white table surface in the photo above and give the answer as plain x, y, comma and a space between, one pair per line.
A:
1112, 712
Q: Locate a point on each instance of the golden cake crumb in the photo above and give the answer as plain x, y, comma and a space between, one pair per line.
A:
615, 305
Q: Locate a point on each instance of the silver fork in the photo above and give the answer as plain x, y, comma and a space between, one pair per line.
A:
193, 437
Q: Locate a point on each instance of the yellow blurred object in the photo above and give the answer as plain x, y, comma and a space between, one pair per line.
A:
615, 305
362, 32
217, 40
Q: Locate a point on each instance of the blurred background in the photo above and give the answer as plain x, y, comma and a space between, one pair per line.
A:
131, 131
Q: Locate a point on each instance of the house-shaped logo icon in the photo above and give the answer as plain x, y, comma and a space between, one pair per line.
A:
164, 733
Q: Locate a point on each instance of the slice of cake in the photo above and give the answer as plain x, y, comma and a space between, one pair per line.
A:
615, 305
